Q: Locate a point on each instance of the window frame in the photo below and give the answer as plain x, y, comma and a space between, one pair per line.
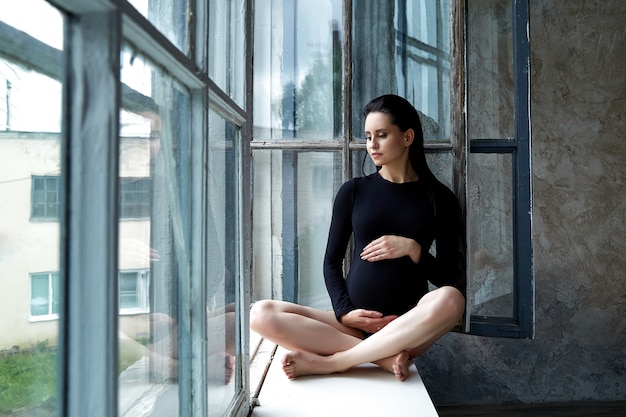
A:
521, 325
139, 206
142, 287
46, 217
51, 297
95, 31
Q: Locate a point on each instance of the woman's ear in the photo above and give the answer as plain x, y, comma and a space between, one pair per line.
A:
409, 135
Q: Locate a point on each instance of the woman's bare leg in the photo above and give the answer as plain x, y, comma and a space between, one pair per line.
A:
412, 333
302, 328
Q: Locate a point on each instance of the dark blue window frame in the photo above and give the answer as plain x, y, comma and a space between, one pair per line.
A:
521, 325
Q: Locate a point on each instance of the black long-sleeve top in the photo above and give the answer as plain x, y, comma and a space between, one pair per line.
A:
370, 207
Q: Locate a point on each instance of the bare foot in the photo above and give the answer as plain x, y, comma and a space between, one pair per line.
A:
215, 372
402, 365
229, 368
297, 364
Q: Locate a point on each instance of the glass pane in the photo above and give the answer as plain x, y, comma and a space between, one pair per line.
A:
490, 74
226, 41
45, 198
222, 264
170, 17
39, 295
293, 196
128, 290
411, 59
297, 70
31, 32
56, 294
154, 149
490, 219
134, 198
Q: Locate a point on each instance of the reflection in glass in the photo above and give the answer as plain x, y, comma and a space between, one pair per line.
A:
36, 18
490, 219
155, 184
490, 77
226, 41
411, 59
297, 70
221, 264
293, 196
30, 172
154, 143
170, 17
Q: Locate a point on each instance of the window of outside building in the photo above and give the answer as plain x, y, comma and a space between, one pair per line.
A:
134, 291
44, 295
46, 198
134, 198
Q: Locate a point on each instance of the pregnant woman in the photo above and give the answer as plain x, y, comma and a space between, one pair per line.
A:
383, 310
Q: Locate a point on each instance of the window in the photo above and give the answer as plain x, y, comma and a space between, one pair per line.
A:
45, 201
500, 297
134, 198
134, 291
314, 70
158, 131
154, 131
314, 82
44, 295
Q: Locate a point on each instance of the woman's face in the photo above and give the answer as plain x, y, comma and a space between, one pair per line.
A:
386, 144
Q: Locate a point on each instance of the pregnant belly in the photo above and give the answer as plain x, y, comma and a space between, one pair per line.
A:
389, 287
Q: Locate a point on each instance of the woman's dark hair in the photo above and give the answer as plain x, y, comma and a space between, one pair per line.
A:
403, 114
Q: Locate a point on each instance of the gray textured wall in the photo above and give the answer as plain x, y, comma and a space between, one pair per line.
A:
578, 58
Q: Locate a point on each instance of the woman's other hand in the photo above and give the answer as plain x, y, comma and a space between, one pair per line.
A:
366, 320
391, 247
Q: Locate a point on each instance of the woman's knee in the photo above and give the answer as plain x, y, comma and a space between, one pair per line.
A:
447, 302
260, 313
453, 300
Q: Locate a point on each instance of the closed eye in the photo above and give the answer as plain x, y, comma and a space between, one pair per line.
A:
379, 136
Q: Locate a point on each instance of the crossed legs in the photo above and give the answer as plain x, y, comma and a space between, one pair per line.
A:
320, 344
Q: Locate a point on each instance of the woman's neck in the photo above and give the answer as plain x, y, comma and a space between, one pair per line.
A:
398, 175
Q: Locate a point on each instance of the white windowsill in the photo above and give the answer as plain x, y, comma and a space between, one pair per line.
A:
363, 391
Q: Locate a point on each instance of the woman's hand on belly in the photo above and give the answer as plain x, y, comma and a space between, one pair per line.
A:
391, 247
366, 320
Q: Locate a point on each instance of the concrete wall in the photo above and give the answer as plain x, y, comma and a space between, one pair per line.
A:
578, 56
